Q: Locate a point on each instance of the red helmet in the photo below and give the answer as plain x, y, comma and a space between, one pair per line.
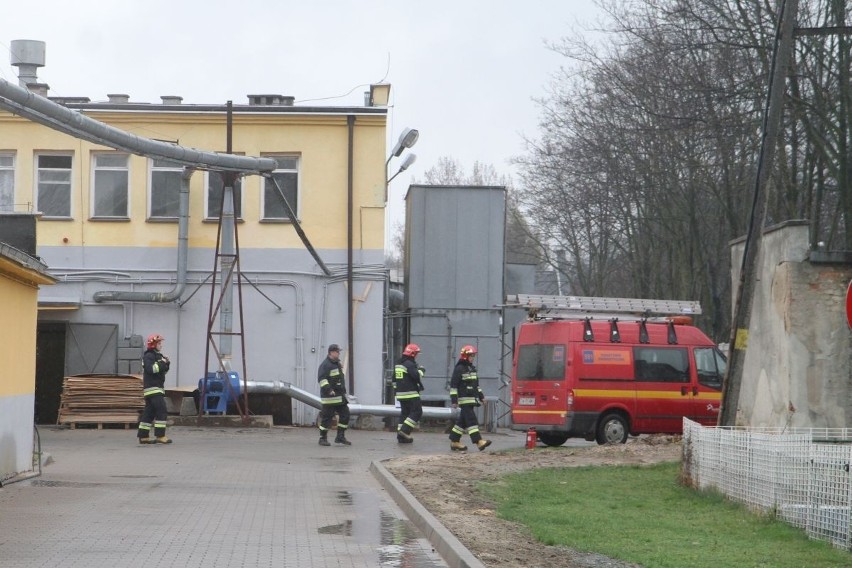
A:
153, 340
468, 352
412, 349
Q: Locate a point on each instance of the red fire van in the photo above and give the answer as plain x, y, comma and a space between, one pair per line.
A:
602, 379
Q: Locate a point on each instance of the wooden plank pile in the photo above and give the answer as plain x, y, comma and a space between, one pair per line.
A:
101, 399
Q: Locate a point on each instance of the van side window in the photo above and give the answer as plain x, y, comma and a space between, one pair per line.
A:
541, 362
710, 365
669, 365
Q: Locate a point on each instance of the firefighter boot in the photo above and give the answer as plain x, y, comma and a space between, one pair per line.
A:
458, 447
341, 438
162, 440
482, 444
403, 437
324, 439
146, 441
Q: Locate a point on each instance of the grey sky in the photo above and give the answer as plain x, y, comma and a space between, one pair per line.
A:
463, 73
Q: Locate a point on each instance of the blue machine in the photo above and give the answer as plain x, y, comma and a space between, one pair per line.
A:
219, 391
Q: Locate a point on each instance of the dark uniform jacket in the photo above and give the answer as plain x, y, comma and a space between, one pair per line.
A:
155, 365
406, 380
464, 385
332, 385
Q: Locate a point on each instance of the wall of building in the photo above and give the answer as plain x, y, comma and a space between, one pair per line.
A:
797, 369
17, 385
292, 310
454, 278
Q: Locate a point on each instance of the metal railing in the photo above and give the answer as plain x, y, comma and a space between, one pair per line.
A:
800, 475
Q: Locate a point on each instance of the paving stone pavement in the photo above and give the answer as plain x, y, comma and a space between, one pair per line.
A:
219, 497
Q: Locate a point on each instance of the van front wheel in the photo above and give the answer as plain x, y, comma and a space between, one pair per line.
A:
612, 429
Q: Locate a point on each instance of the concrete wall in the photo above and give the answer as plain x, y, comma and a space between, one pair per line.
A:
291, 313
797, 371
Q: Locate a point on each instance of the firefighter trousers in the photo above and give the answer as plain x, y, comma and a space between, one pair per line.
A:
154, 415
467, 423
410, 412
327, 416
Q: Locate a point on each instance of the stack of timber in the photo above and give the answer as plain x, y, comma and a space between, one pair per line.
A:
101, 399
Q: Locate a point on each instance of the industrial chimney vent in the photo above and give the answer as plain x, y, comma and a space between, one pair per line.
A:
27, 55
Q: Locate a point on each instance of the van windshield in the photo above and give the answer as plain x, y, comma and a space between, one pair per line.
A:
540, 362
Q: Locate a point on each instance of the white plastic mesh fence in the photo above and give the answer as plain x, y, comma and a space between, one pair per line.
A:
802, 475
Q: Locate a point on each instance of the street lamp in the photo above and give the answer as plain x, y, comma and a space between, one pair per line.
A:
406, 162
407, 139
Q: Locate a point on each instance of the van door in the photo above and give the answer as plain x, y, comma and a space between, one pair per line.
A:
539, 387
710, 367
663, 389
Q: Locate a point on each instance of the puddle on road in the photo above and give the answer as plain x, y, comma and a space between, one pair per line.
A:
397, 541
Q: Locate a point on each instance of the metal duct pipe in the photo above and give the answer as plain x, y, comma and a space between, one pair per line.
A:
182, 257
281, 387
22, 102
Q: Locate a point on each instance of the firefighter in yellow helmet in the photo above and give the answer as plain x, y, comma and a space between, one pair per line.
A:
155, 365
407, 385
466, 395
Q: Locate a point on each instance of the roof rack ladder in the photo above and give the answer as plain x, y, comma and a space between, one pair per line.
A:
540, 306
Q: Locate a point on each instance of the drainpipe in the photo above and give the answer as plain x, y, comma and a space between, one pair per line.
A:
183, 246
350, 300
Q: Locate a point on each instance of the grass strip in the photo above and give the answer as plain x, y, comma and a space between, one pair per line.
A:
642, 514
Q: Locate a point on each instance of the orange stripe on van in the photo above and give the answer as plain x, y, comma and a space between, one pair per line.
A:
614, 394
558, 412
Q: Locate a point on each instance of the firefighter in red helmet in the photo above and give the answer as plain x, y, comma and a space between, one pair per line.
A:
155, 365
407, 384
466, 395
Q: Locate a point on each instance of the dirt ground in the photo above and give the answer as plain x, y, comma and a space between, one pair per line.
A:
444, 484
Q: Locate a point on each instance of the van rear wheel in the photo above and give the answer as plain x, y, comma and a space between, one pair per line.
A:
552, 439
612, 429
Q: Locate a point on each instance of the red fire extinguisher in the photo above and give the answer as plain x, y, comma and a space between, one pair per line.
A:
531, 438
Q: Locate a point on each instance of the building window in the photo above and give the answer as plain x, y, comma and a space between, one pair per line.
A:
165, 189
287, 176
7, 183
53, 179
215, 189
110, 178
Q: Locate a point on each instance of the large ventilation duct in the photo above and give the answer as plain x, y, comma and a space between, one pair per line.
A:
22, 102
281, 387
182, 258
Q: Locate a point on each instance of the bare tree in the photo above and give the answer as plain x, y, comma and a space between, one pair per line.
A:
642, 169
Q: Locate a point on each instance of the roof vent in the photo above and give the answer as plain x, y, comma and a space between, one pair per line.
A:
271, 100
27, 55
171, 99
118, 98
38, 88
71, 100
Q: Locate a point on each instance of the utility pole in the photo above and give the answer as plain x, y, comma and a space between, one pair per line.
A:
781, 56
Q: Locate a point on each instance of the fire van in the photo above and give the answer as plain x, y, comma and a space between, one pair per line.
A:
605, 368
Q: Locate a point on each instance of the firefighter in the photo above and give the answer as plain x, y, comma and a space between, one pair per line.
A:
407, 384
155, 365
466, 395
333, 394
